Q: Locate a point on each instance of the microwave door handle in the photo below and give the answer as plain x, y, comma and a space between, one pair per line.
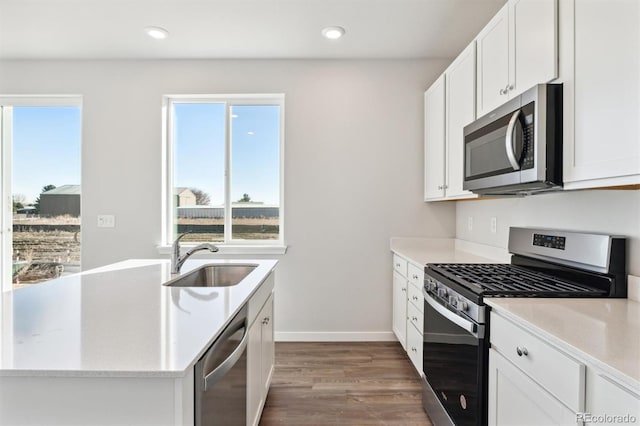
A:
508, 141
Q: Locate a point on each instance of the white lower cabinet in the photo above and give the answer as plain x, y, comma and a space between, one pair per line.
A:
260, 360
408, 305
531, 381
516, 399
400, 308
414, 346
609, 402
534, 382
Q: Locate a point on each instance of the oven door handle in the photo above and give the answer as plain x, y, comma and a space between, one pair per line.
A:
508, 141
451, 316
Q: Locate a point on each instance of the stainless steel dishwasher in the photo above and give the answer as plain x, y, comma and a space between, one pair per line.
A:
221, 377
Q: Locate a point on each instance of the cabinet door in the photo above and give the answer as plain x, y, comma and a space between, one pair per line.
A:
606, 398
268, 346
400, 308
434, 139
414, 347
533, 52
606, 140
493, 63
515, 399
461, 110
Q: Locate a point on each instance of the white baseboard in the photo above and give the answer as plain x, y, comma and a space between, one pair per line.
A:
335, 336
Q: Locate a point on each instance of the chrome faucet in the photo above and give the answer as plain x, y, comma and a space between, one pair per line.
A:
177, 260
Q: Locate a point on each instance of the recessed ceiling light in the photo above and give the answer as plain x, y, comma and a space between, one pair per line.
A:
333, 33
157, 32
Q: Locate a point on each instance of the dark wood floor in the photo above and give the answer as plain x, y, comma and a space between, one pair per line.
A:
368, 383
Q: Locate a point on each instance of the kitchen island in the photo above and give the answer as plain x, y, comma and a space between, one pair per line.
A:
113, 345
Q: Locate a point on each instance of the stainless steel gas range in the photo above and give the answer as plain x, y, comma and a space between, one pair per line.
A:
544, 263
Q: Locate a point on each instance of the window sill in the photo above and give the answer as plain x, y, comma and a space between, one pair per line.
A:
232, 249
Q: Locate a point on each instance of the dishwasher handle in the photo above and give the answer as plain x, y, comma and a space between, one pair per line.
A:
210, 377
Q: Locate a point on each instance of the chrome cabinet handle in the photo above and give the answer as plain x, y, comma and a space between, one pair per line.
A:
265, 321
404, 289
510, 87
508, 141
414, 298
415, 318
502, 92
522, 351
413, 349
415, 277
440, 187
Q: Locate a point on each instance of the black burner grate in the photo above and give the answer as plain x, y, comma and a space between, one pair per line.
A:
511, 280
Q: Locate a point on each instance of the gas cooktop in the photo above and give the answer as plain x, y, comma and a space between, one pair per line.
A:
512, 280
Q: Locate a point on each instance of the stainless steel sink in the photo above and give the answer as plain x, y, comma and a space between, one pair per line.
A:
213, 276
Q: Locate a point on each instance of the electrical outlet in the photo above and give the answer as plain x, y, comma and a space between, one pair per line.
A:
106, 221
470, 223
494, 225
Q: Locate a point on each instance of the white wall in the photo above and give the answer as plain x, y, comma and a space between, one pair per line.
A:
353, 169
606, 211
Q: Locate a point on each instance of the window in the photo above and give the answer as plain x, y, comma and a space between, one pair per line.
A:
40, 188
224, 169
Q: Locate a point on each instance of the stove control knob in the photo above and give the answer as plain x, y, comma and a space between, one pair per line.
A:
464, 306
442, 292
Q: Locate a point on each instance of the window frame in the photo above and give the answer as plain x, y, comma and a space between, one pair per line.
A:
229, 246
7, 103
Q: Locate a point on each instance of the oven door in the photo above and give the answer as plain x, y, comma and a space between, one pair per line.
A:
454, 364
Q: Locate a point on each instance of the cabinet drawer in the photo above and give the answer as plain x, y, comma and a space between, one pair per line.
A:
415, 316
415, 275
555, 371
400, 265
415, 296
414, 347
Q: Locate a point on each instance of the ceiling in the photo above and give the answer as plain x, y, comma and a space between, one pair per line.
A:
110, 29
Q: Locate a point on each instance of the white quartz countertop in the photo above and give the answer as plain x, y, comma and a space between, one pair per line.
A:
118, 321
604, 332
421, 251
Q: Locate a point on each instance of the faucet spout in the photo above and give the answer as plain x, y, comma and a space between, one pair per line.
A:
177, 261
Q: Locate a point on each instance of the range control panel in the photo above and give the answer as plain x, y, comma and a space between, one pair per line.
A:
550, 241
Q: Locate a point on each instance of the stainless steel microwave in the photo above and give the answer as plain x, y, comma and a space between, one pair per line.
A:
516, 148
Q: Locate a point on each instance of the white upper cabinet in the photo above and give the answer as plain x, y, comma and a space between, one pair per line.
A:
434, 135
600, 69
449, 106
533, 35
493, 62
461, 110
517, 49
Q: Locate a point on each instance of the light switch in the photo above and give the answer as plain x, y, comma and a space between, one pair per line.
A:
106, 221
